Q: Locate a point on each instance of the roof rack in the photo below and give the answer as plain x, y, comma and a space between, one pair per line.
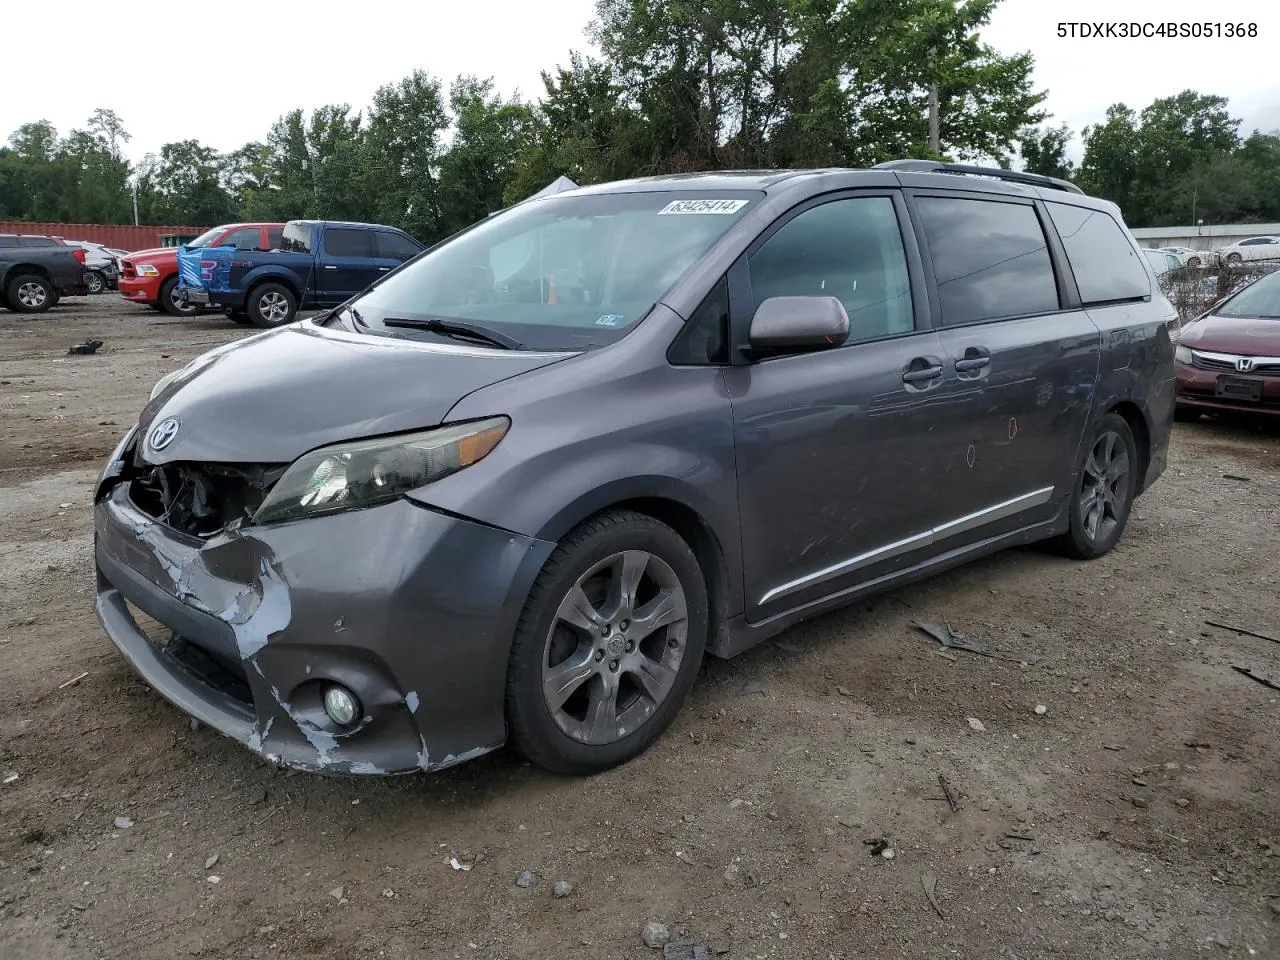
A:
1014, 176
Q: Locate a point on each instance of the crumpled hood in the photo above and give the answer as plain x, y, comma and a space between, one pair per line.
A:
271, 397
1259, 338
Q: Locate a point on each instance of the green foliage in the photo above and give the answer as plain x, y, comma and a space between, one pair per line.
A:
679, 85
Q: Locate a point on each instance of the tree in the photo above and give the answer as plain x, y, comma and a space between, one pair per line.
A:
402, 150
109, 128
1044, 151
184, 185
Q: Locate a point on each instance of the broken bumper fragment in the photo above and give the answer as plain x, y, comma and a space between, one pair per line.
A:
410, 610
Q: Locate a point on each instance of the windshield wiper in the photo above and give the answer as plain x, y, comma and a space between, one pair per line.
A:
460, 329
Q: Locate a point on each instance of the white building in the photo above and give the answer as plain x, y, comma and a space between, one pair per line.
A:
1202, 237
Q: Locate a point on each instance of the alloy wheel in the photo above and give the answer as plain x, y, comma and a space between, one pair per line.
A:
1104, 491
614, 649
273, 307
96, 283
32, 295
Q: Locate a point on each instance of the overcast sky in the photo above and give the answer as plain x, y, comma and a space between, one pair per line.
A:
223, 79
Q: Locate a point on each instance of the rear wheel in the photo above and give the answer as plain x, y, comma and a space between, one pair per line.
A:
1234, 258
171, 302
29, 293
1107, 484
96, 282
1186, 414
1193, 262
608, 645
271, 305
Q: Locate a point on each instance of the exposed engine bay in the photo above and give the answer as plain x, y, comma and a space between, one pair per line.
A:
200, 499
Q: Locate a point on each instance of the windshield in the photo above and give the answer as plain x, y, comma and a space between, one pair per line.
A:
1259, 300
206, 238
568, 272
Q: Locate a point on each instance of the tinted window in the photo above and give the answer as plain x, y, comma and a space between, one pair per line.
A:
8, 241
395, 246
1250, 243
848, 249
990, 259
705, 338
1100, 254
274, 237
296, 238
348, 243
246, 239
36, 242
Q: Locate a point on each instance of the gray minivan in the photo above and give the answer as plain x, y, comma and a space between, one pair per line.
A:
518, 489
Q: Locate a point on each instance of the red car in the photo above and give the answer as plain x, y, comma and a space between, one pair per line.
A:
1229, 359
151, 276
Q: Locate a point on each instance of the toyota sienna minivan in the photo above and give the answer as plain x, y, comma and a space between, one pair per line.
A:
518, 489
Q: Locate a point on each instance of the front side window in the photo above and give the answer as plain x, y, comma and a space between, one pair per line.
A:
1260, 300
565, 272
296, 238
206, 238
274, 236
246, 239
990, 259
394, 246
848, 249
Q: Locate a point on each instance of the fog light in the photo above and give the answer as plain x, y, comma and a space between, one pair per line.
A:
341, 705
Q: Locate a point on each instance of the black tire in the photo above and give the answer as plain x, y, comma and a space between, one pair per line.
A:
271, 305
96, 282
1101, 499
1234, 258
1186, 414
535, 731
1193, 262
158, 308
238, 316
170, 303
30, 293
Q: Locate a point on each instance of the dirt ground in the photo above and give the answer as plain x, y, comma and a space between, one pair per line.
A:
1137, 816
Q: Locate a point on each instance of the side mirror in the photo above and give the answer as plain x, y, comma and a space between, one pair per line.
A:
799, 323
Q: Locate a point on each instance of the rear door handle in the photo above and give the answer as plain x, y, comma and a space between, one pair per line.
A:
383, 269
330, 266
975, 358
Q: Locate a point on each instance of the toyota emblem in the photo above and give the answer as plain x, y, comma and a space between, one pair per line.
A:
162, 434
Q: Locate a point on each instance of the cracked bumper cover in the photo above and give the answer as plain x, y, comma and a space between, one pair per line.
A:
411, 609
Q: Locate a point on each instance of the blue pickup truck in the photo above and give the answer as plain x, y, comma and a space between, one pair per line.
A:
320, 263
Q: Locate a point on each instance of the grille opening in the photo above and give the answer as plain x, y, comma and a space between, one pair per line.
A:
201, 499
231, 679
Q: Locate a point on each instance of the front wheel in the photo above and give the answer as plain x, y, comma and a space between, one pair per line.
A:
1234, 258
1105, 489
271, 305
171, 301
608, 645
1193, 262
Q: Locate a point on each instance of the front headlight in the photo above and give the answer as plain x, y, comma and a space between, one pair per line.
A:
367, 472
1183, 354
147, 270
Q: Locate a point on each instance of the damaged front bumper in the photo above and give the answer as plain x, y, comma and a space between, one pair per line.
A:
412, 610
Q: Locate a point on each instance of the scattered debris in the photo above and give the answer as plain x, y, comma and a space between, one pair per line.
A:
947, 792
1018, 836
949, 638
1041, 709
213, 879
1113, 746
10, 778
929, 881
258, 796
1236, 476
338, 893
526, 879
735, 803
887, 853
1138, 782
1240, 630
458, 864
389, 893
211, 861
844, 691
878, 845
1183, 802
685, 951
685, 858
84, 349
688, 818
1265, 681
750, 879
73, 681
976, 724
752, 687
655, 934
562, 888
194, 724
123, 823
1139, 802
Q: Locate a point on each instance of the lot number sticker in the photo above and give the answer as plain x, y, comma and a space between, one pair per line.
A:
722, 207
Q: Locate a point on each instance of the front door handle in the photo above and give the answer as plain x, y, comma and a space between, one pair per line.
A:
975, 358
330, 266
383, 269
922, 370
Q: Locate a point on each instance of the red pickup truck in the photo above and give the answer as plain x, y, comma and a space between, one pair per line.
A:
151, 276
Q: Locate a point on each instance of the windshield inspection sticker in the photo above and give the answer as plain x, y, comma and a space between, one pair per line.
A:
722, 207
611, 320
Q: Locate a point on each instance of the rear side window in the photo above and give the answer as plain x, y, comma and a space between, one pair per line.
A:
847, 249
1103, 260
339, 242
36, 242
395, 246
296, 238
990, 259
275, 235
